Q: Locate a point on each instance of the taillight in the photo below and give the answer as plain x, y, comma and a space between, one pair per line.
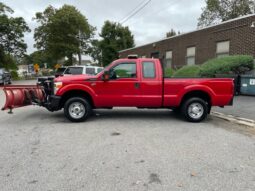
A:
233, 87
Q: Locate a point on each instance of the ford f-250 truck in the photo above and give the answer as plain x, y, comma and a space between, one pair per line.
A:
131, 82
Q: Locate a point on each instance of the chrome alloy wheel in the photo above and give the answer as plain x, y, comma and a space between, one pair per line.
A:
195, 110
77, 110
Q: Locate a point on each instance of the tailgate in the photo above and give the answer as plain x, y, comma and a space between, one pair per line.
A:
22, 95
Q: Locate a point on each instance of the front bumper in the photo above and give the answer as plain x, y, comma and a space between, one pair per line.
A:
53, 103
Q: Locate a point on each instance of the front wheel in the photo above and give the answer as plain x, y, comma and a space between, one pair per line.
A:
77, 109
195, 109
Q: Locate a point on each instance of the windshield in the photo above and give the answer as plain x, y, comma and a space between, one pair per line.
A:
74, 70
1, 71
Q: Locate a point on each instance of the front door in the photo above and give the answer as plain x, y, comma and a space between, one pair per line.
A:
123, 88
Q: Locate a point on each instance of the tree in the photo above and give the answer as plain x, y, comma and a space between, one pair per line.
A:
95, 51
172, 33
63, 32
217, 11
41, 57
115, 37
12, 31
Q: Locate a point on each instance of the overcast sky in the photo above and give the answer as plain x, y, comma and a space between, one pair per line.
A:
150, 24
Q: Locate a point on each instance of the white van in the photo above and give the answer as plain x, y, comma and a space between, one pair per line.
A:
78, 70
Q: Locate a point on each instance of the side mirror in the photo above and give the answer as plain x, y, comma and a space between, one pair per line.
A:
106, 76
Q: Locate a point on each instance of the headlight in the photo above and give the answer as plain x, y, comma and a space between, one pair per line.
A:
57, 86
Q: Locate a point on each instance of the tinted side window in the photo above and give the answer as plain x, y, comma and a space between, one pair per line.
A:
149, 70
74, 70
90, 71
123, 70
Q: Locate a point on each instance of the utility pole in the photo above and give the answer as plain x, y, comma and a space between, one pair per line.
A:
80, 47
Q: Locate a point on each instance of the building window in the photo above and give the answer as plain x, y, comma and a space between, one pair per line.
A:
222, 49
191, 56
169, 57
155, 55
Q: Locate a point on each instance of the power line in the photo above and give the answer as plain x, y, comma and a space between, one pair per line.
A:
161, 9
137, 11
133, 10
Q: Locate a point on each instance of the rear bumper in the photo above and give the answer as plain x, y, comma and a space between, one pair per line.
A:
231, 103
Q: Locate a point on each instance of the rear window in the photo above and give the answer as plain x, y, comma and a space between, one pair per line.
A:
74, 70
90, 71
149, 70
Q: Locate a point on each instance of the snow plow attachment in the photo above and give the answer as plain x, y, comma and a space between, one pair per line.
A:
22, 95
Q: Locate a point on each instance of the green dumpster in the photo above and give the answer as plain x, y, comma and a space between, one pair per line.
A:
247, 85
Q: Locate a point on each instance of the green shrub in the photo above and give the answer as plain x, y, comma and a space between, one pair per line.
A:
187, 72
227, 65
14, 75
168, 72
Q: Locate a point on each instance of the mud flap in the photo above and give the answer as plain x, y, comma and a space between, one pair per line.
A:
22, 95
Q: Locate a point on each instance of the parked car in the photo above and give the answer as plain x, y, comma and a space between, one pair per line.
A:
60, 71
99, 69
131, 82
5, 77
78, 70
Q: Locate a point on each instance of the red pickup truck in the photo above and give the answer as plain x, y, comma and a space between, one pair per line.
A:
131, 82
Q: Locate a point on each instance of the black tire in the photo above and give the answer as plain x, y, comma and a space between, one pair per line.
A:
200, 106
83, 104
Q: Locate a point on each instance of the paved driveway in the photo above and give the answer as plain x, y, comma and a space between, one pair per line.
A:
244, 106
123, 149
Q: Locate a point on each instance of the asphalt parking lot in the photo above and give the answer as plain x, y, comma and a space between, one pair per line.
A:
123, 149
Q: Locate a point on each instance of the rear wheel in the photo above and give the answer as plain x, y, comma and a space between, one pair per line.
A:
195, 109
77, 109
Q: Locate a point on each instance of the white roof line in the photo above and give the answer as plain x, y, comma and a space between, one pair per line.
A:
231, 20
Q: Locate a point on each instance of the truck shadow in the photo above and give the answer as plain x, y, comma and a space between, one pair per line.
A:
124, 115
143, 114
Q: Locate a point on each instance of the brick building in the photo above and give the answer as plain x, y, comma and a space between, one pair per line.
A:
232, 37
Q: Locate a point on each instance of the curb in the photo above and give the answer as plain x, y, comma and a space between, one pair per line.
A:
238, 120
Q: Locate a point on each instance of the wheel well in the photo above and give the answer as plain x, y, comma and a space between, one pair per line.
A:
76, 93
200, 94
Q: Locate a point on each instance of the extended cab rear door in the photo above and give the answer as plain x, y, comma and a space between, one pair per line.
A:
151, 85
